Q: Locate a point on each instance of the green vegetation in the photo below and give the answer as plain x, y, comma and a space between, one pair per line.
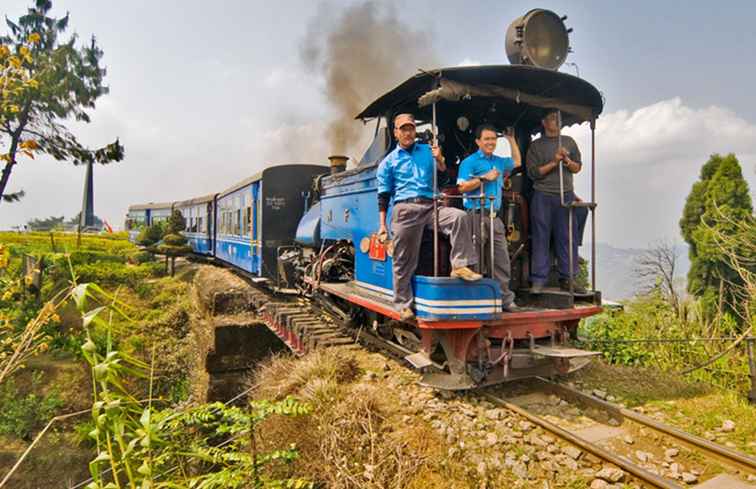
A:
48, 81
716, 204
174, 243
134, 332
653, 317
24, 414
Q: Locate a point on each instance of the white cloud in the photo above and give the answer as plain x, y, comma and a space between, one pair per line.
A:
468, 62
647, 161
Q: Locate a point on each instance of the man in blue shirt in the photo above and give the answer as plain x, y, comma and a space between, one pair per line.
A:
485, 168
406, 175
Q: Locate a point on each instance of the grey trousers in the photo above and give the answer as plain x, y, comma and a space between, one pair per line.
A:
408, 220
502, 269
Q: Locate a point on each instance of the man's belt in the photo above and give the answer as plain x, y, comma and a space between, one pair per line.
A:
415, 200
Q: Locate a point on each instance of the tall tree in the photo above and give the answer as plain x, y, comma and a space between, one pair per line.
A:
46, 81
724, 202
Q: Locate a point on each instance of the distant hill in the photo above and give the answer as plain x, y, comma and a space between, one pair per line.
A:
615, 269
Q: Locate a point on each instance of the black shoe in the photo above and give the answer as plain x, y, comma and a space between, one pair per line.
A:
536, 288
564, 284
512, 307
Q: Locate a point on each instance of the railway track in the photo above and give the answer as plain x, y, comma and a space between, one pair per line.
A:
629, 440
653, 453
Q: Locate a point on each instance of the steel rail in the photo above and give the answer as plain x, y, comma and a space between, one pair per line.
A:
636, 470
726, 456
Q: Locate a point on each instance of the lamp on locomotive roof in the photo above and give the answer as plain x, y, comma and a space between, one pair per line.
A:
538, 38
338, 163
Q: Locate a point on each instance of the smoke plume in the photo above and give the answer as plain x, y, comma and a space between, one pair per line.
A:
361, 52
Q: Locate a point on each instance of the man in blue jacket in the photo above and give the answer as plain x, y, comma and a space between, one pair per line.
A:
406, 175
484, 168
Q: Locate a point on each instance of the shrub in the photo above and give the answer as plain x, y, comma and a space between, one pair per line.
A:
21, 415
140, 256
150, 235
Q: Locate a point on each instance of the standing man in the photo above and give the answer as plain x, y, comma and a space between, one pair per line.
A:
547, 216
486, 169
406, 174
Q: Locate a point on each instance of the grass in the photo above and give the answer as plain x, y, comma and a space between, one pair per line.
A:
696, 407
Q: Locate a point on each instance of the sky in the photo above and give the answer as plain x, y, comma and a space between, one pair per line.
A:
203, 94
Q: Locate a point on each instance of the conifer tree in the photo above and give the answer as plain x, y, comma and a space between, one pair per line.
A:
715, 205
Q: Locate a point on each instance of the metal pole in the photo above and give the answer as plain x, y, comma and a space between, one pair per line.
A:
491, 233
435, 200
570, 211
752, 370
593, 200
482, 244
559, 145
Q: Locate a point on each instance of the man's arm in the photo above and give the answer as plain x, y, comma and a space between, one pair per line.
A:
385, 178
514, 149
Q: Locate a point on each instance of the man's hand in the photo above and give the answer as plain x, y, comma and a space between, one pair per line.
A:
439, 157
490, 175
383, 234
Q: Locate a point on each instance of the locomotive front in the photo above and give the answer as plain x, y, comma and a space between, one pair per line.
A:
461, 337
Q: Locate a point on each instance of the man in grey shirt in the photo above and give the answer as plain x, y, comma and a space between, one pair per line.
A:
547, 216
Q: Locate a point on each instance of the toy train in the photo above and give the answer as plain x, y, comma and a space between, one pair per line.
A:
311, 230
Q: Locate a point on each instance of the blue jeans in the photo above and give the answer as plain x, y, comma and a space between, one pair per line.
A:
548, 218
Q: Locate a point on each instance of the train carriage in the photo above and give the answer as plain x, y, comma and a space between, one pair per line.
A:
258, 216
142, 215
199, 226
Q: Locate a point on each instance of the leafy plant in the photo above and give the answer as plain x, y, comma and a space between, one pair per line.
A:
209, 446
22, 414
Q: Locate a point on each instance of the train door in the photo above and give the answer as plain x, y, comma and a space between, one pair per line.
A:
255, 228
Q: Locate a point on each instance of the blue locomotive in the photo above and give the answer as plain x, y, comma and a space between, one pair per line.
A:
311, 230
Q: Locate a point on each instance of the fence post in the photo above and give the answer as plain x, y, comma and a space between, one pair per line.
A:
752, 369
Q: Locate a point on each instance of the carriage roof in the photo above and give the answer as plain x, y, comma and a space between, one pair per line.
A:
507, 93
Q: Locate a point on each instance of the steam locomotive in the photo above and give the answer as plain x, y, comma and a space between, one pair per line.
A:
309, 229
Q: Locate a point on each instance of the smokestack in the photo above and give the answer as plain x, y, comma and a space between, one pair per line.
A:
338, 163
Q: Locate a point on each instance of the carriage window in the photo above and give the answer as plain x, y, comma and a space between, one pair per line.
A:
237, 223
246, 221
200, 228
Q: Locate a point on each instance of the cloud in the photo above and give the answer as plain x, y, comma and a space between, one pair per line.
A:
647, 161
468, 62
669, 130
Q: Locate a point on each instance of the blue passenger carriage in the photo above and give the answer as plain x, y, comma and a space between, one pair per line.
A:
142, 215
257, 218
198, 214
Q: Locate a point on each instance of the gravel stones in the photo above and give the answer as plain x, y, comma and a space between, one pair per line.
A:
643, 456
572, 452
610, 474
671, 452
525, 426
689, 478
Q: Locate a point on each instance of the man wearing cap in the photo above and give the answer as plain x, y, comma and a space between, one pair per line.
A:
547, 215
485, 168
406, 175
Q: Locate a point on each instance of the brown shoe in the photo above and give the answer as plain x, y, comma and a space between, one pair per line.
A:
407, 315
466, 274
